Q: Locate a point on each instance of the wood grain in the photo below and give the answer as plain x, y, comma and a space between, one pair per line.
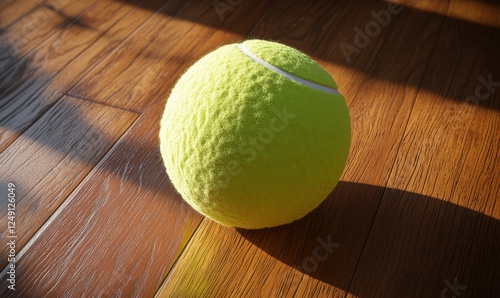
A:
27, 89
36, 27
11, 10
369, 164
125, 220
141, 55
155, 54
450, 153
53, 156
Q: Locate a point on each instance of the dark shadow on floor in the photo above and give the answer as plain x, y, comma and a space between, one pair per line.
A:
416, 246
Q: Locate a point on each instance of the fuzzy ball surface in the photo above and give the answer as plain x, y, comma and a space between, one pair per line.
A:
249, 147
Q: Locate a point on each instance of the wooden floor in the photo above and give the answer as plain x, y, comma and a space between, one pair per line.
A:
416, 213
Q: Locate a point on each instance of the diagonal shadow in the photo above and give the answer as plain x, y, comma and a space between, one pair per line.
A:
415, 247
143, 167
54, 128
24, 104
416, 48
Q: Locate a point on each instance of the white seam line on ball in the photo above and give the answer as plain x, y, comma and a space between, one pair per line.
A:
289, 76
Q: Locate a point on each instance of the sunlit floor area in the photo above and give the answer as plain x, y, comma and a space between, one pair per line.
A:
87, 209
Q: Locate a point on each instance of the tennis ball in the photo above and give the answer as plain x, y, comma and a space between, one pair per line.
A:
255, 135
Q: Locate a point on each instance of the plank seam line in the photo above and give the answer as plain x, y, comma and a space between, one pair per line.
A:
181, 253
79, 97
118, 46
35, 48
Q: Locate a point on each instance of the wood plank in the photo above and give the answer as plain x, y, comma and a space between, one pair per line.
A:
126, 195
115, 81
348, 223
37, 26
450, 155
52, 157
125, 220
11, 10
35, 82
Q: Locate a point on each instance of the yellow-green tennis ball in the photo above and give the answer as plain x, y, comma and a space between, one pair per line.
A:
255, 135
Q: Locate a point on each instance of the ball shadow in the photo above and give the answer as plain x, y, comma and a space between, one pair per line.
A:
363, 238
